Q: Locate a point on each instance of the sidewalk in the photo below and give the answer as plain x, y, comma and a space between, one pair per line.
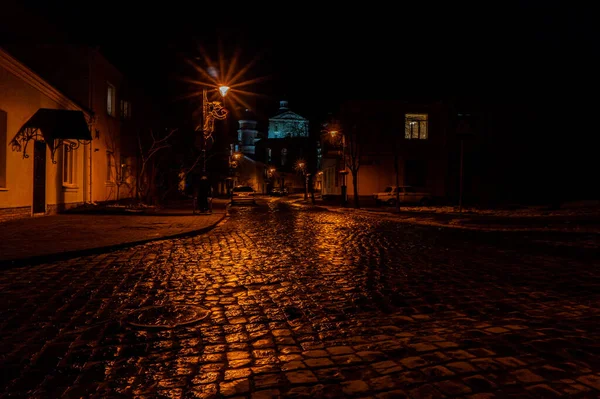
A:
575, 220
47, 238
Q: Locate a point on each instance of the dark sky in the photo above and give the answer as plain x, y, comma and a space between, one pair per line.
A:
316, 56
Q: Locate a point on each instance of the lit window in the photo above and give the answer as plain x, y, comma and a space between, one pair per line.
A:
69, 159
125, 109
110, 166
110, 100
415, 126
283, 156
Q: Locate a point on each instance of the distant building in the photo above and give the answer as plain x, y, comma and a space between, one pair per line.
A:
247, 133
287, 144
393, 141
287, 124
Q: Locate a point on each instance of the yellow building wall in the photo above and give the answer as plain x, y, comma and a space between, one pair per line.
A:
19, 100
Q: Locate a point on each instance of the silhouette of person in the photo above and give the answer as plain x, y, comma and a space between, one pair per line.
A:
204, 190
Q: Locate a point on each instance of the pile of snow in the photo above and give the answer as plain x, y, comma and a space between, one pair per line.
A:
574, 209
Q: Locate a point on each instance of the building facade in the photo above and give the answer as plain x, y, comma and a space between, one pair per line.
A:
247, 133
287, 124
389, 142
90, 164
288, 153
43, 157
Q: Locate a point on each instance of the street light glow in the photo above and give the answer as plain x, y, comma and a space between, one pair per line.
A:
333, 133
223, 90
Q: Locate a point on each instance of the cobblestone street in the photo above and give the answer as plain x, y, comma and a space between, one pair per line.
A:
284, 302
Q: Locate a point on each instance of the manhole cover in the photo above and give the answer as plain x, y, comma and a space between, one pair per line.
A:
169, 316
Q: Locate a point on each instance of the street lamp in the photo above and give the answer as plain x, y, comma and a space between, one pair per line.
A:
343, 172
301, 166
211, 110
234, 158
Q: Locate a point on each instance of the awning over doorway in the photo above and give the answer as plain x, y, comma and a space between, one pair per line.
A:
55, 125
60, 124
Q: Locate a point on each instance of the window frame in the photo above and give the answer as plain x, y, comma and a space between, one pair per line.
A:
69, 165
413, 119
111, 99
125, 108
110, 167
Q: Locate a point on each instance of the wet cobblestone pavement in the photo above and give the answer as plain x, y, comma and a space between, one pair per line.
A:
305, 304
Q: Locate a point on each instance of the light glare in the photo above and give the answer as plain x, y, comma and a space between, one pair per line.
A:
223, 90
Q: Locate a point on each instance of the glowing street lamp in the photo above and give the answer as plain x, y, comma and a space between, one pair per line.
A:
211, 110
223, 90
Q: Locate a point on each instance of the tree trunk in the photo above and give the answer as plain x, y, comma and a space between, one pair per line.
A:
355, 184
397, 168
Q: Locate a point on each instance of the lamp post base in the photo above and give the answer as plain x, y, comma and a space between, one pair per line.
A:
344, 196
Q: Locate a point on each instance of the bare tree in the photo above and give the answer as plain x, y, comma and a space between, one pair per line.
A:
350, 132
352, 157
149, 146
119, 170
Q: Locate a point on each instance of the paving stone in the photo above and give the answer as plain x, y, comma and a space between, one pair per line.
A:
544, 391
461, 367
319, 362
266, 394
509, 362
267, 381
301, 377
526, 376
340, 350
413, 362
293, 365
426, 391
354, 387
480, 384
315, 353
235, 387
395, 394
235, 374
590, 380
435, 372
453, 387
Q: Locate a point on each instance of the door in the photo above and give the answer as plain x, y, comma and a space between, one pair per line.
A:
39, 177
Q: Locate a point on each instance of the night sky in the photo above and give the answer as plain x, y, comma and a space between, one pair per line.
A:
316, 56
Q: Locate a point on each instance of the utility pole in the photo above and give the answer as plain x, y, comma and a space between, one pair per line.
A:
463, 131
460, 189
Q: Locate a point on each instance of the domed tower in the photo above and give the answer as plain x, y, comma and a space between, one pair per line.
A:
247, 133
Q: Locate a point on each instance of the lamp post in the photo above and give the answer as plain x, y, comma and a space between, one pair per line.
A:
211, 110
343, 172
233, 164
301, 166
270, 180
